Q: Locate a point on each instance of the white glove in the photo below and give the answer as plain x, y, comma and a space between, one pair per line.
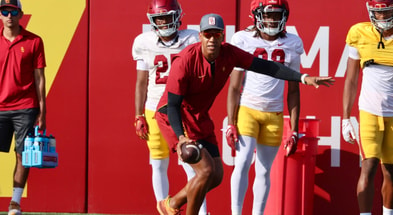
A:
348, 131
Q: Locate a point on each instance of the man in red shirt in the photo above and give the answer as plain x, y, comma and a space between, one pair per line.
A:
198, 74
22, 90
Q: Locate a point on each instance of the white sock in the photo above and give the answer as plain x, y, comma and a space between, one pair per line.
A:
203, 209
190, 174
160, 177
264, 159
368, 213
188, 169
17, 194
387, 211
239, 178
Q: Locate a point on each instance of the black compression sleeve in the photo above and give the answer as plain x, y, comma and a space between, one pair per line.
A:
174, 114
274, 69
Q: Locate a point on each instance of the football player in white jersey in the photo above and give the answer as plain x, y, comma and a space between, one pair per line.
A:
153, 52
371, 49
257, 111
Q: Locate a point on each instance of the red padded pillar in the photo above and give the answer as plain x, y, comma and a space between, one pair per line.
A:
292, 178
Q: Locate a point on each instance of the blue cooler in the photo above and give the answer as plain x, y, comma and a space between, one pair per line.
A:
40, 151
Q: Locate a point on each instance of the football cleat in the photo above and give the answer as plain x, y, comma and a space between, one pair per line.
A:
164, 208
14, 209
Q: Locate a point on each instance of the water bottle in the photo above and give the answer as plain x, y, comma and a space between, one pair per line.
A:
52, 143
40, 142
29, 140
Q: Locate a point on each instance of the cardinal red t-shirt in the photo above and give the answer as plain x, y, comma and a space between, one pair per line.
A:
191, 76
18, 59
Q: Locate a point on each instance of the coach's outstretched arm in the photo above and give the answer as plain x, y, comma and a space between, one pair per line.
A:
278, 70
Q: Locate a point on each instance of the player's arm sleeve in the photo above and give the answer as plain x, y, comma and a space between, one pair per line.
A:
352, 42
295, 63
174, 115
237, 42
141, 65
39, 54
138, 51
295, 53
274, 69
353, 52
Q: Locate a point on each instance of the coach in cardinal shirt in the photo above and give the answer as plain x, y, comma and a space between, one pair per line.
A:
198, 74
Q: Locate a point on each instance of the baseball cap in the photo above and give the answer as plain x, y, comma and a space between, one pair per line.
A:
212, 21
11, 3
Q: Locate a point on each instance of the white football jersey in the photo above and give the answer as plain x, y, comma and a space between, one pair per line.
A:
155, 57
263, 92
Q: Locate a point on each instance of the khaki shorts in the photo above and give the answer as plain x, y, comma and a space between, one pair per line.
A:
265, 127
376, 135
157, 145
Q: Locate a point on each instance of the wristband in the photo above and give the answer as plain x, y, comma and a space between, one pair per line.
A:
303, 77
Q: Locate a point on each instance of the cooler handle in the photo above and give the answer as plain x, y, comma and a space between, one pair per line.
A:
36, 131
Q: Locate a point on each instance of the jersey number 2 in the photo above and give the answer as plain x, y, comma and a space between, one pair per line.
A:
161, 62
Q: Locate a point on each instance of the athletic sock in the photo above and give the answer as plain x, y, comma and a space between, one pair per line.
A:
239, 177
17, 194
160, 178
387, 211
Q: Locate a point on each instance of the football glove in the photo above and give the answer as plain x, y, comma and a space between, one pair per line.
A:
141, 127
291, 144
348, 131
232, 137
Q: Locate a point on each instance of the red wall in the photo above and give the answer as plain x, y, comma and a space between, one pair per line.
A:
104, 167
119, 171
115, 151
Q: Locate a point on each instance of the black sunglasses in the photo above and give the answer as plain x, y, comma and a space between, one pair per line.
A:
12, 12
